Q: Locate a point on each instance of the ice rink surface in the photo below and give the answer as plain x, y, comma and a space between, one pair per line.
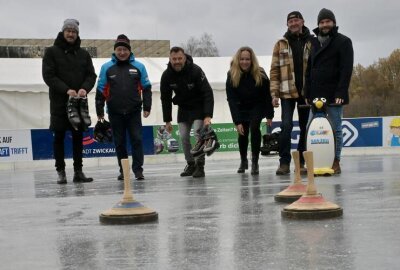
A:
223, 221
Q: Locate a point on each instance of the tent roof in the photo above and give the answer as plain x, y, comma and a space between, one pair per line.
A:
25, 74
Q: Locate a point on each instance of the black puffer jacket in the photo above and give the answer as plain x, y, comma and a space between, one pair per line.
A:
192, 93
65, 67
247, 101
329, 68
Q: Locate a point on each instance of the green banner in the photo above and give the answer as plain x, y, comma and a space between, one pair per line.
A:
165, 143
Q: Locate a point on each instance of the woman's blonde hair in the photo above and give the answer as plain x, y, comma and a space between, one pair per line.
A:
236, 72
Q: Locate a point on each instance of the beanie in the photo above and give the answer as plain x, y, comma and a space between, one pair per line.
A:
294, 14
326, 14
71, 24
122, 40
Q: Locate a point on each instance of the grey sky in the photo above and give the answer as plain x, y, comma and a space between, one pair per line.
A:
372, 25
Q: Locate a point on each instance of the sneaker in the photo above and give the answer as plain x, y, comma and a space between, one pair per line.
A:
120, 177
283, 169
79, 177
336, 167
211, 142
84, 113
189, 170
197, 150
62, 178
139, 176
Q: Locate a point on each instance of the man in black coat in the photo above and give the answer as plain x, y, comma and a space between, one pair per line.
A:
68, 71
328, 74
184, 84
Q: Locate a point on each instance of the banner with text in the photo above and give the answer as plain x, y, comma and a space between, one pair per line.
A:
36, 144
15, 145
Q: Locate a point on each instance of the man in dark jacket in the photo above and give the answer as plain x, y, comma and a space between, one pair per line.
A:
123, 83
68, 71
290, 58
329, 72
195, 100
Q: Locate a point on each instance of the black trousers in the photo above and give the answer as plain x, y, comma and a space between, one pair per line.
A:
122, 124
254, 127
77, 147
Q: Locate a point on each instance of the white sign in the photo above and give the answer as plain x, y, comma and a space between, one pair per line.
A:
15, 145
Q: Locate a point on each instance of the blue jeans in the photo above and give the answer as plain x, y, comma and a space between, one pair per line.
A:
285, 143
131, 123
184, 133
334, 115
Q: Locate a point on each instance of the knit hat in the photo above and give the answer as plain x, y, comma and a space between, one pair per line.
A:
122, 40
294, 14
326, 14
71, 24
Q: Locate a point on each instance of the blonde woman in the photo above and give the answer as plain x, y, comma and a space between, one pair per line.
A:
249, 99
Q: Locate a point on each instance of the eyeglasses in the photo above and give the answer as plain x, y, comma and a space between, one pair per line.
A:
70, 31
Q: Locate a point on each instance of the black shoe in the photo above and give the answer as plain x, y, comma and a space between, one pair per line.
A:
121, 177
79, 177
189, 170
244, 165
199, 171
139, 176
62, 178
283, 169
254, 168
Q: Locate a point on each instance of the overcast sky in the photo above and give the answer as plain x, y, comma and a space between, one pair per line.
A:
372, 25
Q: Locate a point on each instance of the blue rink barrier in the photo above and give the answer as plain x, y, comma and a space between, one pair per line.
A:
357, 132
42, 144
16, 145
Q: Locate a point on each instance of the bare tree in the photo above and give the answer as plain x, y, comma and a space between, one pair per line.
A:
201, 47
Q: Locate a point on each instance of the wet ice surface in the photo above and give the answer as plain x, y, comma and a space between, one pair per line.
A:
224, 221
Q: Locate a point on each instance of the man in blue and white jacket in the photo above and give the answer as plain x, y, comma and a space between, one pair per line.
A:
124, 85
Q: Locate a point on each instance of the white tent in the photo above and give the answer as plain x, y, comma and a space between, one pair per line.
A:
24, 100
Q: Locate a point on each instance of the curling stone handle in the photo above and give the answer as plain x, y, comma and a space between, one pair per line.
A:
128, 197
309, 158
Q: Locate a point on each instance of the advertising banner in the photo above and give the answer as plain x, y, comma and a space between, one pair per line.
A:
357, 132
42, 141
391, 131
37, 144
362, 132
167, 143
15, 145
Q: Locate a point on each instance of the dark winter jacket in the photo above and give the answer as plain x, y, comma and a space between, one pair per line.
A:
65, 67
122, 84
329, 68
191, 90
247, 101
